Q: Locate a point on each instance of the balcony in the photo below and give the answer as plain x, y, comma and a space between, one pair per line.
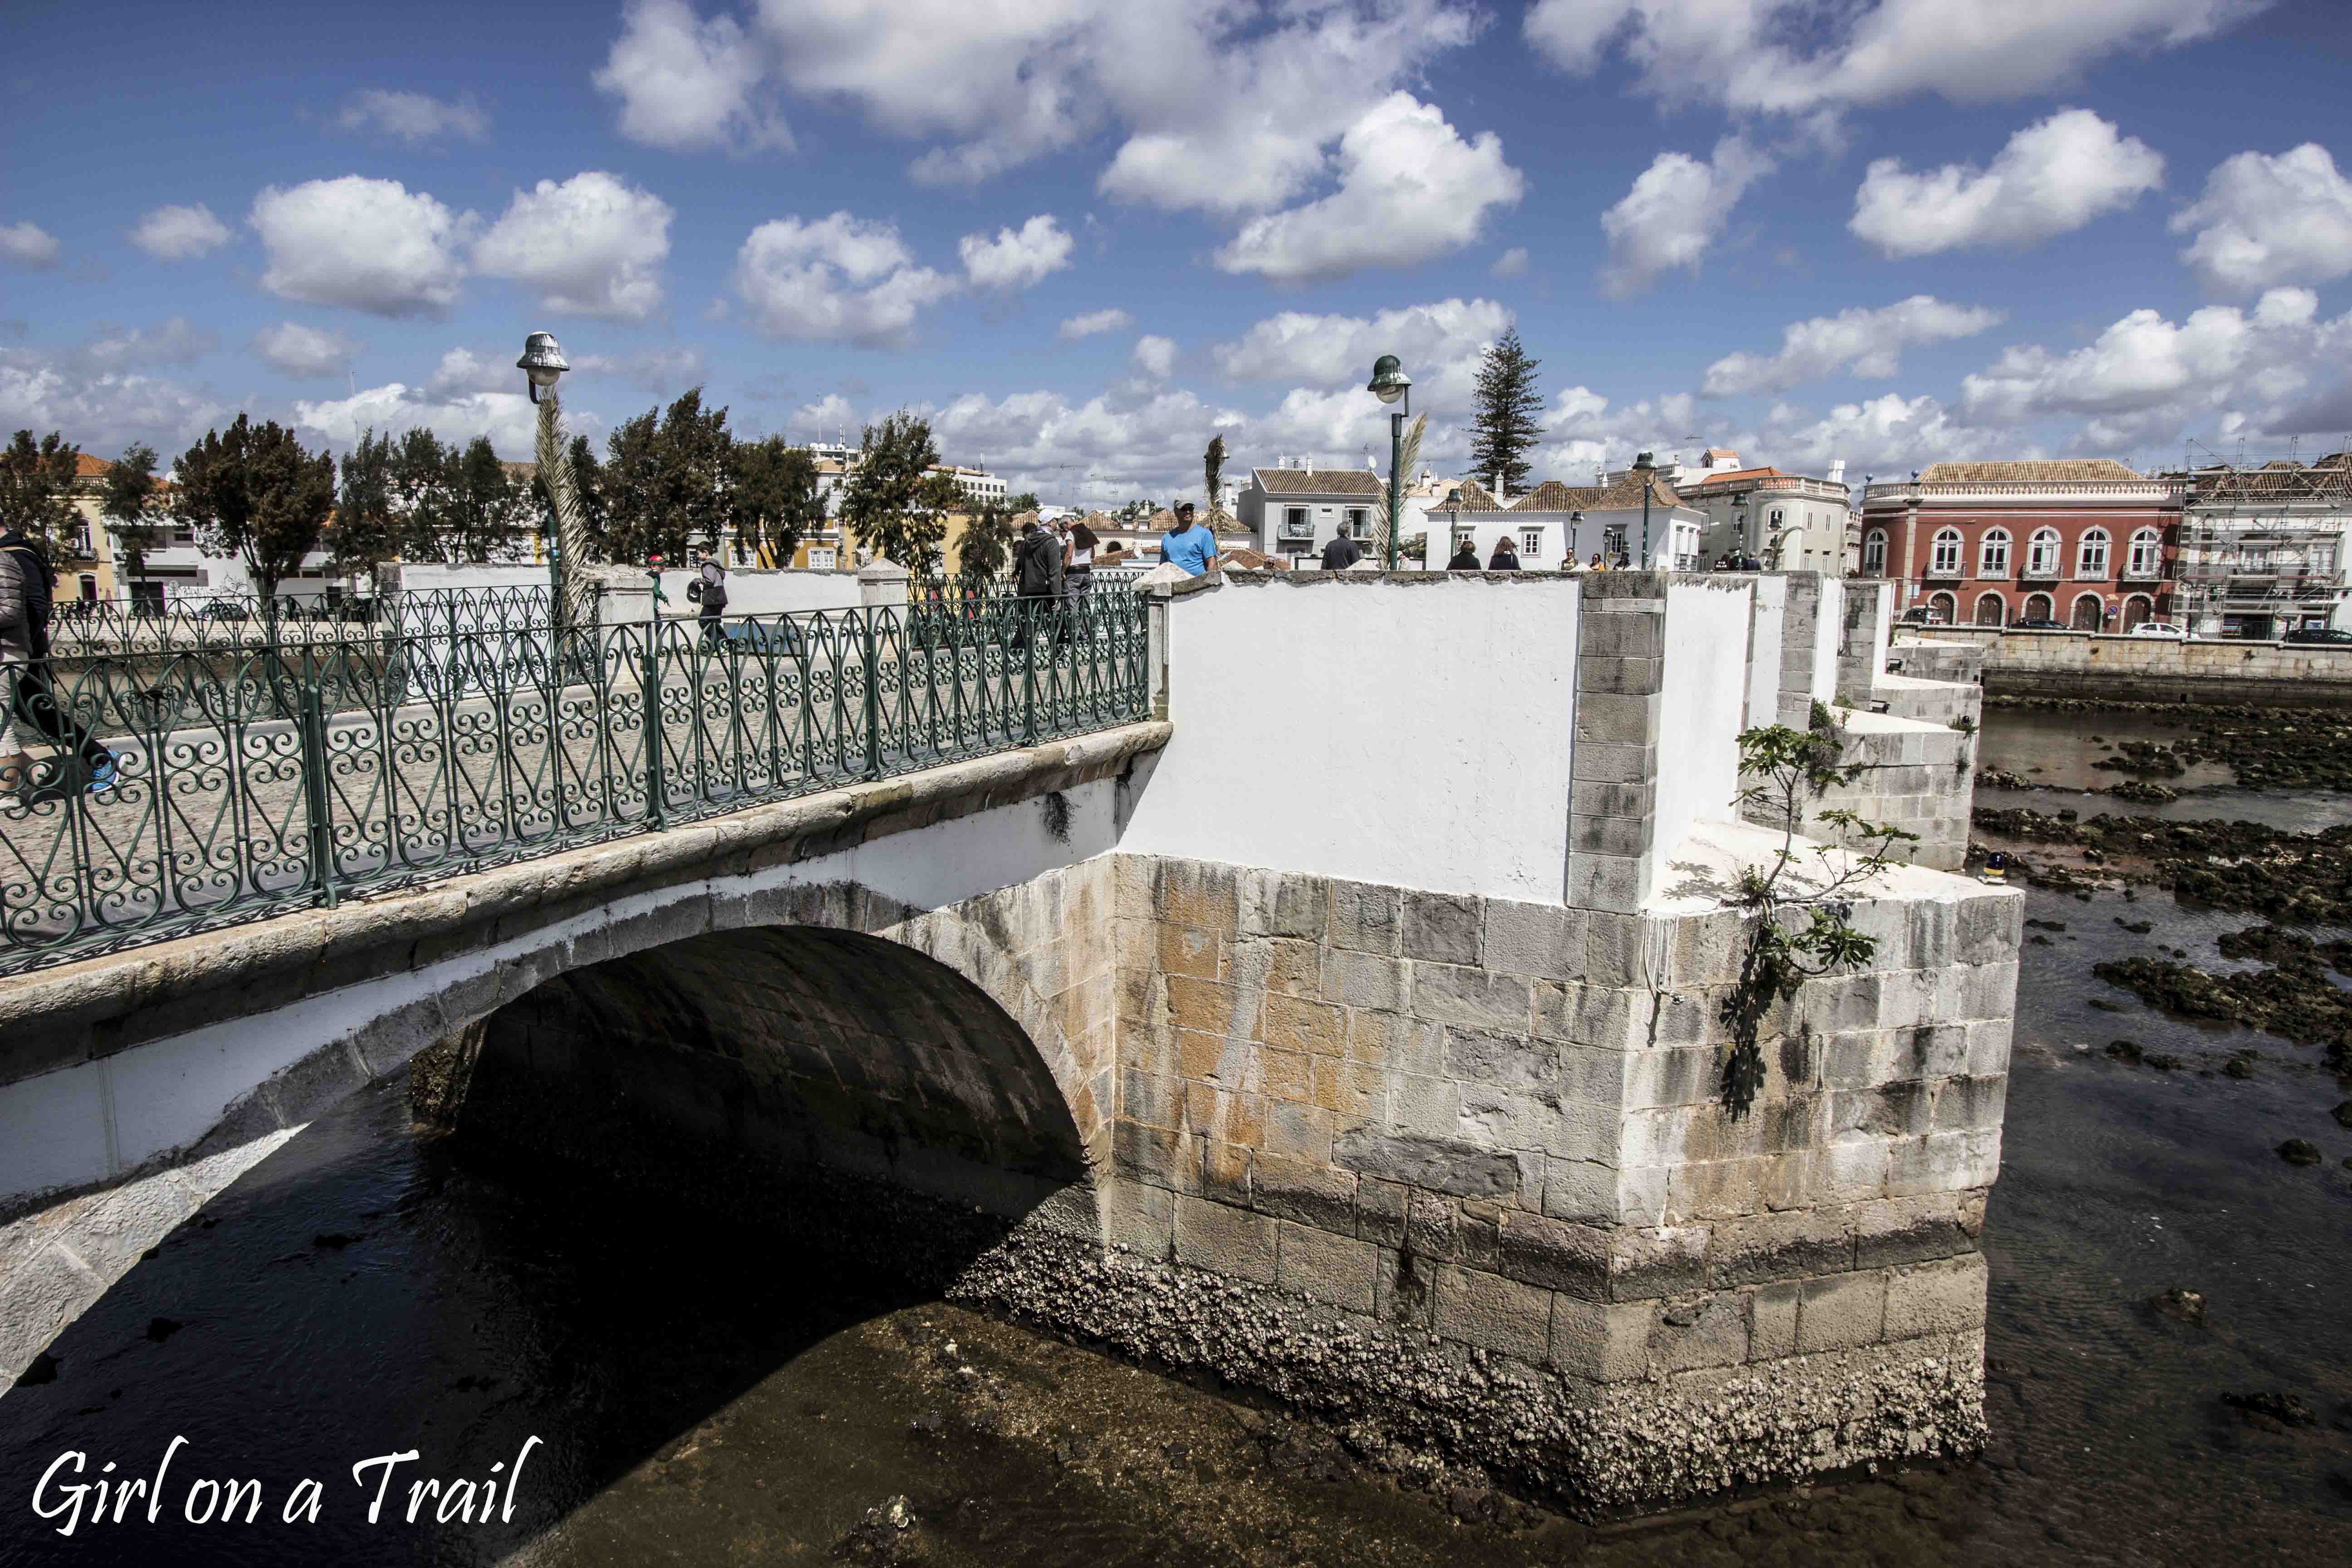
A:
1297, 530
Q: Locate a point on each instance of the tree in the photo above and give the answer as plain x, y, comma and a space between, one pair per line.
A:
1508, 424
483, 505
36, 486
1212, 479
588, 480
772, 496
253, 492
665, 485
987, 542
368, 524
891, 506
131, 501
1026, 501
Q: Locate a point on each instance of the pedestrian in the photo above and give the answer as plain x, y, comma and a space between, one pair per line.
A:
709, 590
1505, 558
1749, 563
1341, 553
30, 696
1078, 563
1036, 577
1189, 544
1466, 555
1597, 564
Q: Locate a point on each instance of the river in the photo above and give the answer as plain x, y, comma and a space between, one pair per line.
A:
703, 1397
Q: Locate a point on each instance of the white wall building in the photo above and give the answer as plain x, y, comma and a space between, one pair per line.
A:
1555, 525
1789, 523
1292, 513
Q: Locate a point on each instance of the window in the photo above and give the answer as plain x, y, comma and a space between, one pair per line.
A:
1463, 534
1532, 541
2042, 553
2091, 554
1873, 554
1944, 553
1992, 556
2145, 550
1359, 527
1295, 523
821, 558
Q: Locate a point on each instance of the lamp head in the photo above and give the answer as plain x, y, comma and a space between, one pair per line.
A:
1389, 380
1643, 462
543, 361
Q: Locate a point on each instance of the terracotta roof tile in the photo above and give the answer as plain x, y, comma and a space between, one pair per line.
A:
1553, 496
89, 467
1467, 496
2062, 470
1321, 482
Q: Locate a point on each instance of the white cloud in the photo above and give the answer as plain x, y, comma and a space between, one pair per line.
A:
28, 245
1441, 344
1094, 322
174, 341
104, 410
2053, 178
306, 354
661, 372
1886, 435
830, 413
413, 116
685, 83
839, 277
367, 244
591, 245
1512, 263
462, 372
2145, 362
1016, 258
1858, 341
1800, 57
1155, 356
2264, 221
508, 418
180, 233
1677, 207
1410, 189
1584, 432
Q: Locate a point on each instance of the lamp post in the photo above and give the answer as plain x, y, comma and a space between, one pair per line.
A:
1389, 383
1575, 522
1644, 469
542, 363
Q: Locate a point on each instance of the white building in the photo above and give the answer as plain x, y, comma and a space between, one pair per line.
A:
2267, 551
1292, 513
1789, 523
1555, 525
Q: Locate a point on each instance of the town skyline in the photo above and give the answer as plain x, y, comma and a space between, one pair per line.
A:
1075, 245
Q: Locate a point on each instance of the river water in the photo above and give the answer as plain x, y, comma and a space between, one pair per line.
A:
701, 1397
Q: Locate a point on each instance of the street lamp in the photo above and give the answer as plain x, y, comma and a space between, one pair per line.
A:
542, 362
1575, 522
1391, 384
1645, 468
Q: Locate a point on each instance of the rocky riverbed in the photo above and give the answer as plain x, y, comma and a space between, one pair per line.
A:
2262, 747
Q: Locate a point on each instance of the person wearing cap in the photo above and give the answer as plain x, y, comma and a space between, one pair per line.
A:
1189, 544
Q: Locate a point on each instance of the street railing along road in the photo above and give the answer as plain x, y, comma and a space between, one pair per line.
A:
260, 777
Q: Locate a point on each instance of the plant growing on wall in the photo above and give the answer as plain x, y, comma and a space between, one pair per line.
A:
1797, 909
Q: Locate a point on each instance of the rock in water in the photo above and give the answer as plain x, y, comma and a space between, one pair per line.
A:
2299, 1152
2184, 1305
2281, 1407
2343, 1114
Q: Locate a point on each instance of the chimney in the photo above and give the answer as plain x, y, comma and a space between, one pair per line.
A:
1311, 462
1837, 472
1499, 496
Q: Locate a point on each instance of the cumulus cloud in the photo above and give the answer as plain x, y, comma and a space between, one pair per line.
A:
413, 116
305, 354
591, 245
28, 245
836, 279
1857, 342
508, 418
687, 83
1441, 344
173, 341
2263, 221
1155, 356
661, 372
176, 233
1095, 322
832, 412
366, 245
104, 409
1511, 263
1886, 435
1798, 57
1677, 209
1016, 258
2053, 178
2145, 362
1410, 189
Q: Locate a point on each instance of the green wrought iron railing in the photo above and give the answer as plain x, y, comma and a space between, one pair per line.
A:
85, 627
249, 782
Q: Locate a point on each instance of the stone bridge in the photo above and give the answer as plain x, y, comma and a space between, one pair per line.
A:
1358, 1039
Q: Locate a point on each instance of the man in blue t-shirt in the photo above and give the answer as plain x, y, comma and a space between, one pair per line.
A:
1189, 544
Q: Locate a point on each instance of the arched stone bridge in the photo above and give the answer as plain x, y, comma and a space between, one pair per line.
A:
1360, 1044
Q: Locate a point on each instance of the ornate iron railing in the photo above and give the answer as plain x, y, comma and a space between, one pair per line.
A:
86, 627
249, 782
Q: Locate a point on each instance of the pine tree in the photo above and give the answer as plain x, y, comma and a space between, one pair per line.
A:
1507, 425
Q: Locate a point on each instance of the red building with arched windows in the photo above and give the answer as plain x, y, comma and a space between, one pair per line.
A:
2085, 544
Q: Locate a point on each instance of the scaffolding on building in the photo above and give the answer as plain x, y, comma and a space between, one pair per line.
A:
2262, 541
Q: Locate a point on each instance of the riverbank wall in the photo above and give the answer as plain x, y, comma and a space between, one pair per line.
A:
2155, 670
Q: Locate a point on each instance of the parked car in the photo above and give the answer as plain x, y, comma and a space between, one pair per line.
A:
2329, 636
1920, 615
2165, 629
2043, 625
223, 610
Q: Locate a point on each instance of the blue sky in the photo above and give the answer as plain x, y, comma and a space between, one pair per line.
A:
1088, 234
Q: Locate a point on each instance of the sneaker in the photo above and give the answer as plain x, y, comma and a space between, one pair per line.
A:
101, 775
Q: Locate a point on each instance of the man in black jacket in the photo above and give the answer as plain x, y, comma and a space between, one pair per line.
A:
29, 694
1037, 577
1465, 556
1341, 553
